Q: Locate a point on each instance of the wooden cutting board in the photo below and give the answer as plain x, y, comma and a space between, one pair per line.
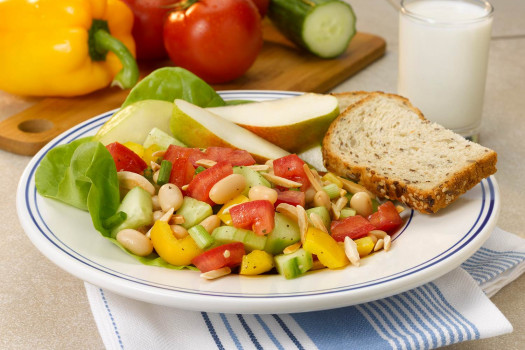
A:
279, 66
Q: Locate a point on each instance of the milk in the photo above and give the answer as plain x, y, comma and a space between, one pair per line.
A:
443, 54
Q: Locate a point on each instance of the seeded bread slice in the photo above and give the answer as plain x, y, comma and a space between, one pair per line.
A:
386, 144
346, 99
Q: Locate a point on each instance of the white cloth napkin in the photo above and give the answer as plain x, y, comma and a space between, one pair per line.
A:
451, 309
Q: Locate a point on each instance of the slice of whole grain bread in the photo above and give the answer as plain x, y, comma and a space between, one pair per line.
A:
346, 99
386, 144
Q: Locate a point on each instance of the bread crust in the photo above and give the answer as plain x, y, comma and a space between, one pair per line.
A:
424, 201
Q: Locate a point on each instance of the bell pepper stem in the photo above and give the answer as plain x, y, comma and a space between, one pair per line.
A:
128, 76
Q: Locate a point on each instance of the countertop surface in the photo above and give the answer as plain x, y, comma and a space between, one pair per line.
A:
41, 306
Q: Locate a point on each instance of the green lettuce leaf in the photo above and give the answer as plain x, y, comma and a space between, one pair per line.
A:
170, 83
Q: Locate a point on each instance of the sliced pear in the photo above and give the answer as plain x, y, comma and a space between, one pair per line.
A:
294, 124
198, 127
134, 122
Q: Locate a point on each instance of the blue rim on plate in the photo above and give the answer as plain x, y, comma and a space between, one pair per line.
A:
27, 203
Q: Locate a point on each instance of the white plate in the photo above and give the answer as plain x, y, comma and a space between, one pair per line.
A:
427, 247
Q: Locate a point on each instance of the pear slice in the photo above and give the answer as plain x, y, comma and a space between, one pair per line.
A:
295, 123
198, 127
134, 122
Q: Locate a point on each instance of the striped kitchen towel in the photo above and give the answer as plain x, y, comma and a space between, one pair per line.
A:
451, 309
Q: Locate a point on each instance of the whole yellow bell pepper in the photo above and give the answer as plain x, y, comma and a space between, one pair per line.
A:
65, 48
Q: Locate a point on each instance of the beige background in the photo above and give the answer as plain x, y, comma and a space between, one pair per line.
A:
41, 306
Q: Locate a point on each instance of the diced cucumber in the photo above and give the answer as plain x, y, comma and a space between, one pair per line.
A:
323, 213
193, 211
323, 27
253, 178
284, 233
138, 208
229, 234
161, 139
294, 264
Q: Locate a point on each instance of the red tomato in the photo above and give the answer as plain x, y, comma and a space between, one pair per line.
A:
148, 25
217, 257
291, 167
386, 218
193, 154
262, 6
234, 156
218, 40
125, 159
181, 172
290, 197
257, 216
352, 226
199, 188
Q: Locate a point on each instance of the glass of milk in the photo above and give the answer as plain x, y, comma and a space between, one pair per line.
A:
443, 55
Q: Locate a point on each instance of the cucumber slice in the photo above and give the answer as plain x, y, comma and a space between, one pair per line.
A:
323, 213
161, 139
284, 233
139, 210
295, 264
194, 211
253, 178
323, 27
229, 234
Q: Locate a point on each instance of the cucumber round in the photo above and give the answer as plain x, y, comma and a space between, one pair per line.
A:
323, 27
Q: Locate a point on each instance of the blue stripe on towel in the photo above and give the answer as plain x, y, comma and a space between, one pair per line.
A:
269, 332
288, 331
230, 331
212, 331
330, 329
486, 264
248, 330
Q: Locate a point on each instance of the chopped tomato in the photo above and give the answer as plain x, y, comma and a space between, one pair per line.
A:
125, 159
229, 254
386, 218
181, 172
352, 226
234, 156
290, 197
257, 216
199, 188
193, 154
291, 168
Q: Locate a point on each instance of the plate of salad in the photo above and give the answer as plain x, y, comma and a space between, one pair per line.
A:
216, 229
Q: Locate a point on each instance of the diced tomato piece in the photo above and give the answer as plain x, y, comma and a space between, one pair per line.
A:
290, 197
181, 172
125, 159
352, 226
217, 257
175, 152
236, 157
257, 216
386, 218
199, 188
291, 168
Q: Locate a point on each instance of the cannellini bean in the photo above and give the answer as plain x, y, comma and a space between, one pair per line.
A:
362, 203
259, 192
309, 195
135, 242
128, 180
211, 223
155, 202
228, 188
170, 196
157, 214
321, 199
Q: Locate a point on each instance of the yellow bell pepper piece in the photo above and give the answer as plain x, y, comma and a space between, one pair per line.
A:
65, 48
256, 262
328, 251
135, 147
148, 153
175, 251
224, 212
333, 179
365, 245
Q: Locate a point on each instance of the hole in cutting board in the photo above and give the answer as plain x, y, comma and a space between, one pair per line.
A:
35, 125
